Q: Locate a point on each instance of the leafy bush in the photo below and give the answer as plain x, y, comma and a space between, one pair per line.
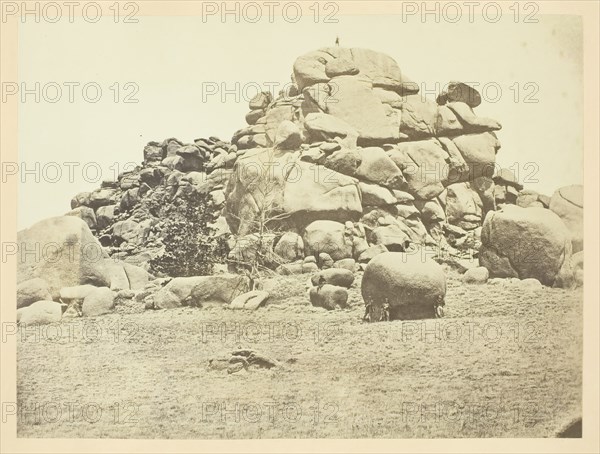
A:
191, 247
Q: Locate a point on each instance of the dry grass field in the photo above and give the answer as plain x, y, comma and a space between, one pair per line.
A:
504, 362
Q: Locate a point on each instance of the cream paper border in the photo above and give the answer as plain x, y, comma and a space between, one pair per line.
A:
589, 10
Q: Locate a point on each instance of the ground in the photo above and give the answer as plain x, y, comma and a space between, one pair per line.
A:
504, 362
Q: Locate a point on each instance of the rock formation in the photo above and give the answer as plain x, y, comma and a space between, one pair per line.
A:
349, 158
347, 163
329, 288
372, 156
122, 209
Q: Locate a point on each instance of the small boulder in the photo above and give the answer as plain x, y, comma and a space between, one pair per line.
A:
329, 237
125, 294
250, 301
459, 91
261, 100
375, 195
528, 198
101, 197
478, 275
290, 247
334, 276
506, 177
40, 313
309, 259
530, 284
329, 297
32, 290
288, 269
346, 264
325, 260
379, 168
392, 237
127, 230
309, 267
254, 115
371, 252
154, 152
118, 277
81, 199
288, 136
100, 301
464, 207
105, 216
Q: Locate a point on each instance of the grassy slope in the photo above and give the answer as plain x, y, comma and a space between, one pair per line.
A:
340, 377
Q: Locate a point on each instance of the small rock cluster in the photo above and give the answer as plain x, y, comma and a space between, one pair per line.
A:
71, 274
118, 212
243, 360
250, 300
329, 288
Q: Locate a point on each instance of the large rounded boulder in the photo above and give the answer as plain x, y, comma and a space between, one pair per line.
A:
62, 251
567, 202
525, 243
401, 286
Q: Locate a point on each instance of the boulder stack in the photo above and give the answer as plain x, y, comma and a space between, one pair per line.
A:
348, 162
370, 151
329, 288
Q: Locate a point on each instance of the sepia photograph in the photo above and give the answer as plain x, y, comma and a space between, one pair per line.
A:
270, 221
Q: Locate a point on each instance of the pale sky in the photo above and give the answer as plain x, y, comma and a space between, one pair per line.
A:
172, 59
